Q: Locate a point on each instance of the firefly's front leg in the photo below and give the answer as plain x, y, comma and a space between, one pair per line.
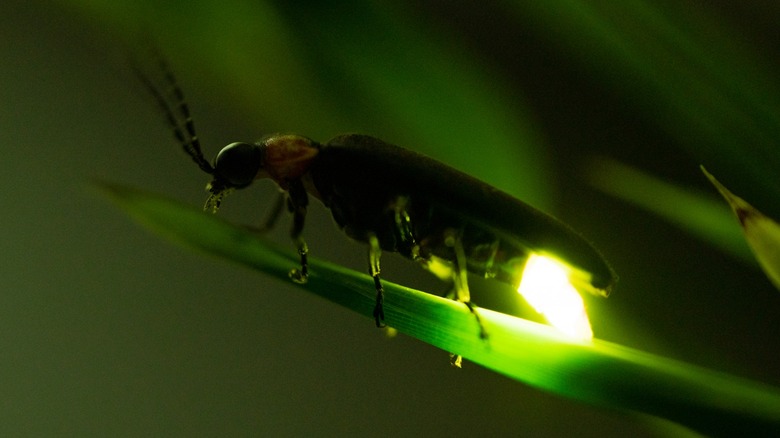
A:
297, 202
273, 214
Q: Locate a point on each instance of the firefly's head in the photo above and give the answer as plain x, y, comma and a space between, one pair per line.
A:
235, 167
283, 158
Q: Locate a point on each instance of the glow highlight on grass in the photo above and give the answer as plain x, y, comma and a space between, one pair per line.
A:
597, 372
545, 286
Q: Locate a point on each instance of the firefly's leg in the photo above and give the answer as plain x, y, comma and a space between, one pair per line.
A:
297, 202
460, 278
374, 252
406, 244
273, 214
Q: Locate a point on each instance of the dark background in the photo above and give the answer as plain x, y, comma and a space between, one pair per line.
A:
105, 329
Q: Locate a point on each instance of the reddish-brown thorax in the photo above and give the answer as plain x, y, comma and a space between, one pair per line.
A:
288, 157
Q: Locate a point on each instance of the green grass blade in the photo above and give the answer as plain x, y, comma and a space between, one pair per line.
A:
761, 232
598, 373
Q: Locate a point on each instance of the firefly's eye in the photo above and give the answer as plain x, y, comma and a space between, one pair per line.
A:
238, 163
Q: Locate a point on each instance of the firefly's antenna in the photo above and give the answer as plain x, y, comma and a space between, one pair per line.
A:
183, 131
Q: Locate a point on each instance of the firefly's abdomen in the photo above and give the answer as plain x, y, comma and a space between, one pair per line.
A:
412, 203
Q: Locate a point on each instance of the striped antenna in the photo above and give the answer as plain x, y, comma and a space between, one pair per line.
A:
175, 109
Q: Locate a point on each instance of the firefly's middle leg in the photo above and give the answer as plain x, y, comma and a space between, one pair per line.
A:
297, 202
374, 253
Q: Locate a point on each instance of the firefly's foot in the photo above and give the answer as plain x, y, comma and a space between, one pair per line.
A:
473, 309
456, 360
301, 276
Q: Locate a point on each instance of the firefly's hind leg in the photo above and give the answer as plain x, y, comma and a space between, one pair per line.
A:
374, 253
403, 233
460, 278
297, 202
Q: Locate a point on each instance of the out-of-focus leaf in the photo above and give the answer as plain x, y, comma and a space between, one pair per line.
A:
691, 211
762, 233
689, 69
405, 83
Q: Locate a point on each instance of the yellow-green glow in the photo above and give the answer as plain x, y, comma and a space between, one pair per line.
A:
545, 286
